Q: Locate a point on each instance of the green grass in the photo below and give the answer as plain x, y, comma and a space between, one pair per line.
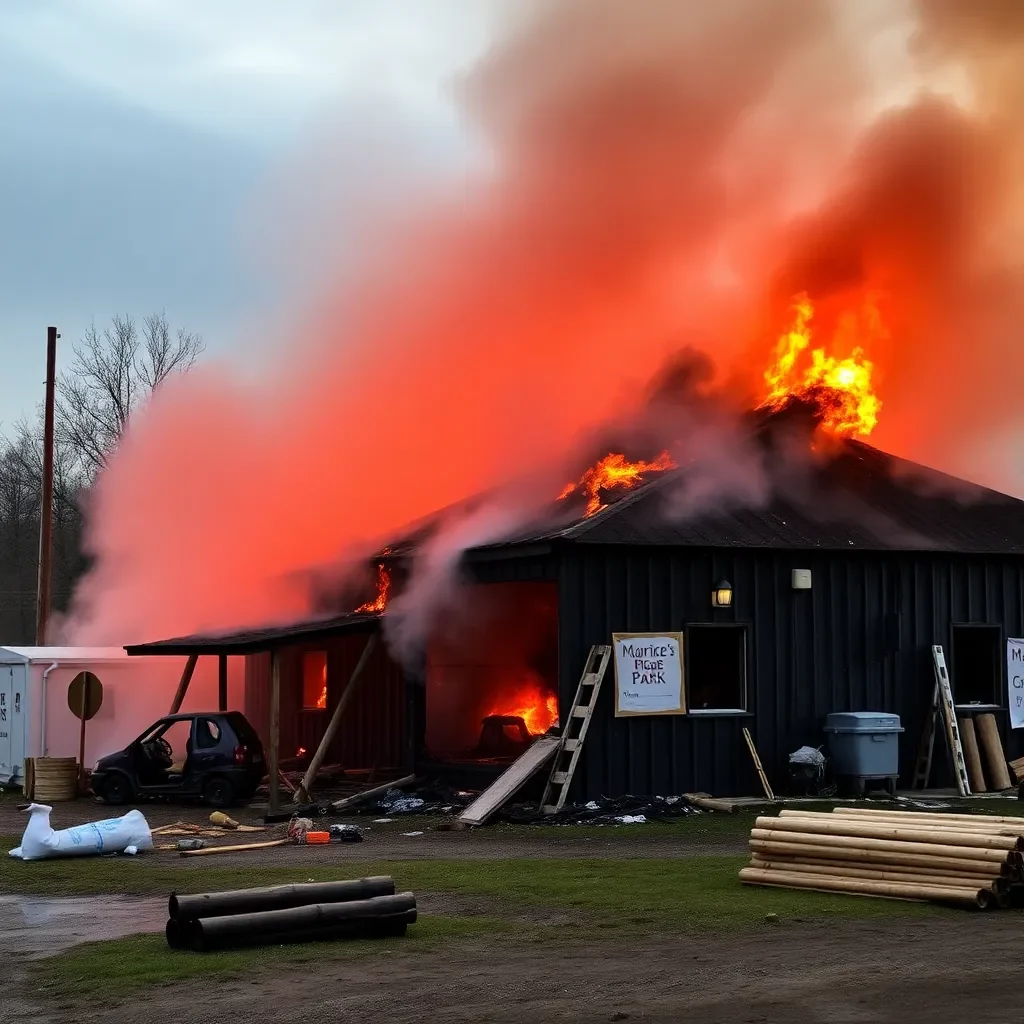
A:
520, 900
679, 893
119, 966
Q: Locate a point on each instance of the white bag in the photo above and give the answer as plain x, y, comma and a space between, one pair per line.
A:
127, 834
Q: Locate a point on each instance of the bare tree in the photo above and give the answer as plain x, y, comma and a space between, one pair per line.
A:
113, 372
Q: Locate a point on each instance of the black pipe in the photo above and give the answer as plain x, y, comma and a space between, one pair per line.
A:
359, 918
385, 926
277, 897
175, 938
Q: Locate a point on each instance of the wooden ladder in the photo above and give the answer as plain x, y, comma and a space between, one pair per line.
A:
575, 730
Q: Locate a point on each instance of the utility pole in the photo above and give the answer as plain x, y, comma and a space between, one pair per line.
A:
46, 503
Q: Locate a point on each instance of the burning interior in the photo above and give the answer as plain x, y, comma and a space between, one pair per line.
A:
492, 680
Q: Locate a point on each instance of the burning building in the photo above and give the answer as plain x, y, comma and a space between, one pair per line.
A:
652, 172
826, 595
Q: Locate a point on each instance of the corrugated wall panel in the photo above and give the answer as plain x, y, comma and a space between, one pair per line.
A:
860, 639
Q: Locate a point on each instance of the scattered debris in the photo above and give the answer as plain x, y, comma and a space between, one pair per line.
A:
128, 834
184, 828
605, 811
383, 821
631, 819
189, 844
221, 820
429, 798
412, 833
368, 794
297, 829
346, 833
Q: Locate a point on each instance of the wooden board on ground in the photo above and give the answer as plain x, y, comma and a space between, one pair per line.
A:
357, 798
511, 780
209, 850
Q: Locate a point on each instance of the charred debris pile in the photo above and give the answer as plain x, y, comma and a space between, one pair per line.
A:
436, 799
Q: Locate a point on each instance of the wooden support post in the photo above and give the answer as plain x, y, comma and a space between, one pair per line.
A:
273, 765
186, 678
81, 736
332, 725
46, 490
222, 682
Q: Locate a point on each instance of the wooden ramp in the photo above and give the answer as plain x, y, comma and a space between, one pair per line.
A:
511, 780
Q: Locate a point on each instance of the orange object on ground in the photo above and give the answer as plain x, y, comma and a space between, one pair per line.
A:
318, 837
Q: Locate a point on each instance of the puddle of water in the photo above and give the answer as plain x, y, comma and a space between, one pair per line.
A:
35, 926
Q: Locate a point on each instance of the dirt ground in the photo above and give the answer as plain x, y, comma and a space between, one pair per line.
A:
908, 972
953, 967
437, 840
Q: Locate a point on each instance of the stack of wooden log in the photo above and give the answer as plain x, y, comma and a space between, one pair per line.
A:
1017, 767
965, 859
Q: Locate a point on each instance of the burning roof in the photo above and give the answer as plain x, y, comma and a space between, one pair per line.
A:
853, 497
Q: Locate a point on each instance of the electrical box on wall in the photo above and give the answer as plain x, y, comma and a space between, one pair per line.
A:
801, 579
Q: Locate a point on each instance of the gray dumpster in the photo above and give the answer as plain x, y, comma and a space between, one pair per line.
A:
865, 748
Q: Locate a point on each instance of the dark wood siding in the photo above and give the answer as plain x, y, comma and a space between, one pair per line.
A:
372, 729
860, 639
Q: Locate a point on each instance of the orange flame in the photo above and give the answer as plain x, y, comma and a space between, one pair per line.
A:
380, 602
613, 471
301, 752
842, 388
537, 709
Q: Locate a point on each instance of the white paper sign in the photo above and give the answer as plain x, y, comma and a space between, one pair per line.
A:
648, 674
1015, 681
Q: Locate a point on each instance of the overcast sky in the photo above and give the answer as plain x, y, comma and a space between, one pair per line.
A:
138, 133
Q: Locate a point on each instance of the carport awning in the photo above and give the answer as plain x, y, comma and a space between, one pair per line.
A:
252, 641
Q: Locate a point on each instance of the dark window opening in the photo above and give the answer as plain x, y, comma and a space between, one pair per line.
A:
716, 668
314, 681
976, 671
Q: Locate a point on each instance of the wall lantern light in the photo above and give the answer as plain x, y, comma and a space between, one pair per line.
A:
721, 596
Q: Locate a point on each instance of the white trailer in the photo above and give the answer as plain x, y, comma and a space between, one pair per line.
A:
36, 719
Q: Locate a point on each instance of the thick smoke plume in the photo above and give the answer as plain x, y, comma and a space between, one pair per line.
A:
658, 175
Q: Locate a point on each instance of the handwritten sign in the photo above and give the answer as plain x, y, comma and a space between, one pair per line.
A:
1015, 681
648, 674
